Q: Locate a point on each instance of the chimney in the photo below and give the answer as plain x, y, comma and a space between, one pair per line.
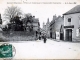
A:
54, 17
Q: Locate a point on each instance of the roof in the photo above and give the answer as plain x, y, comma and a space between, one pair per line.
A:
53, 21
75, 9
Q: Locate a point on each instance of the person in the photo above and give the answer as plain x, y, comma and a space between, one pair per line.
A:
44, 37
40, 37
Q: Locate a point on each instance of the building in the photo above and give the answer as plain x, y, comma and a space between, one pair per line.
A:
56, 27
52, 30
72, 23
36, 24
46, 29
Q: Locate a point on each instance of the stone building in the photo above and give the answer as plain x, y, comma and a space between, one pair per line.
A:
56, 27
72, 24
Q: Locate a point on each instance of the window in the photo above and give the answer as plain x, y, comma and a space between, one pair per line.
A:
69, 19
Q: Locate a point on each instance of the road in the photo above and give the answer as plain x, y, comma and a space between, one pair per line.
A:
49, 50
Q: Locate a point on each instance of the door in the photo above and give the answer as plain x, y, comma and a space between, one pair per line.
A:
61, 36
68, 34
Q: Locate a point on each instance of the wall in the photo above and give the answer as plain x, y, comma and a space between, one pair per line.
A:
35, 26
17, 36
58, 24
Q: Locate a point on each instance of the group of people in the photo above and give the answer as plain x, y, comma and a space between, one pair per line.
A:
43, 37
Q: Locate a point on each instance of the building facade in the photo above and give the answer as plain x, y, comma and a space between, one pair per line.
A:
72, 23
56, 27
36, 24
52, 30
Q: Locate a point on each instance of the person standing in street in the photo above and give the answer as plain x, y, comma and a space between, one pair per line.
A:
44, 37
40, 37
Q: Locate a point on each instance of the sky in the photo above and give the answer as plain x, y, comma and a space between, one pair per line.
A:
42, 9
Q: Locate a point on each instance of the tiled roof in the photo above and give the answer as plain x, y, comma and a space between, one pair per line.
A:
76, 9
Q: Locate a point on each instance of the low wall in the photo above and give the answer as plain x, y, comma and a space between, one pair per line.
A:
17, 36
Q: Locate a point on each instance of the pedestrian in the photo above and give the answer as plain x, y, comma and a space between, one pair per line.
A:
44, 37
40, 37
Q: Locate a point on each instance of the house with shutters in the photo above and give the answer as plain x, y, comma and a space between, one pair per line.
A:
72, 24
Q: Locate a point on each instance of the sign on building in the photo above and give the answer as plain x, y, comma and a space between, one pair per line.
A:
77, 32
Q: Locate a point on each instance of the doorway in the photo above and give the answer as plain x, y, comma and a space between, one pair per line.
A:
61, 36
50, 34
68, 34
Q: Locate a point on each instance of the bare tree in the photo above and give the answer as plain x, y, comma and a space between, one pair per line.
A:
11, 12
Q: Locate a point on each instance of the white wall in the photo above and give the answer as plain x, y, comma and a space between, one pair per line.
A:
74, 21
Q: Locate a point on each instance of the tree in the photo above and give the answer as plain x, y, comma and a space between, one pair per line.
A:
11, 12
16, 24
28, 22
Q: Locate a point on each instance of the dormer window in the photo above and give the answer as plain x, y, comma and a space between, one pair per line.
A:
69, 19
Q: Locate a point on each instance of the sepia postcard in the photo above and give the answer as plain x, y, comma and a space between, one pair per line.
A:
39, 29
